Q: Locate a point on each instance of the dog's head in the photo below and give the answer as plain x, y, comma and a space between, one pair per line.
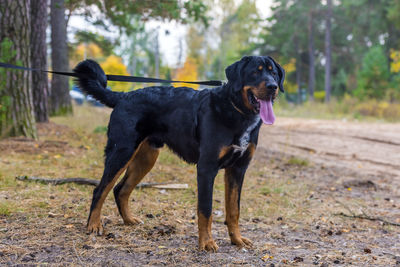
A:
257, 80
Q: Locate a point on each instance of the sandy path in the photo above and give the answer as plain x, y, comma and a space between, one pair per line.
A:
372, 148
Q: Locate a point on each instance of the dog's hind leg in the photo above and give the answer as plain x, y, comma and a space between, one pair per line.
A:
143, 161
118, 156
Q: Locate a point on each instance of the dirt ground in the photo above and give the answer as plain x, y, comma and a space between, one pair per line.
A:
303, 195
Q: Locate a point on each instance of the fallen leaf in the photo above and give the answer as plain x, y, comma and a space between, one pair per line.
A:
267, 257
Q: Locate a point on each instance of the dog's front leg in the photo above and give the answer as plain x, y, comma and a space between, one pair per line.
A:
234, 176
206, 173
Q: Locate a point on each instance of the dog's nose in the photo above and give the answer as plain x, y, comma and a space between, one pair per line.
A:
272, 86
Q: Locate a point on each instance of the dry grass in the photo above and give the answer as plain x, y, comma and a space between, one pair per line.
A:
283, 200
348, 108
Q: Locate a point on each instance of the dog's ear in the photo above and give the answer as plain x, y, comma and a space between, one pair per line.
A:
281, 73
233, 72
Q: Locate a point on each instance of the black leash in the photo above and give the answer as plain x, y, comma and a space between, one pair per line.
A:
110, 77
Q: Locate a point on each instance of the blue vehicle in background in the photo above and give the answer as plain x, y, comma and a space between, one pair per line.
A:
79, 98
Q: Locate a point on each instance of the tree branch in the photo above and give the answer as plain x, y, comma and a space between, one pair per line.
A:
87, 181
366, 217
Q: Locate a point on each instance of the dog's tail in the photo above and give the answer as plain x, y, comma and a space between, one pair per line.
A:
93, 81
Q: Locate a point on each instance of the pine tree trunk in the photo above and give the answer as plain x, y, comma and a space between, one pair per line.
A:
60, 101
16, 111
298, 69
328, 52
311, 56
40, 86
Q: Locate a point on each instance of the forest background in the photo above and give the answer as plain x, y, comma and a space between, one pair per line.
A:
342, 58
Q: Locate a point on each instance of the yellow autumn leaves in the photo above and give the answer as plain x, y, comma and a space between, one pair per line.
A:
395, 64
187, 73
113, 64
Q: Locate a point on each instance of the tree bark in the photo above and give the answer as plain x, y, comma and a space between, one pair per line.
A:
60, 101
298, 69
16, 105
40, 87
311, 56
328, 52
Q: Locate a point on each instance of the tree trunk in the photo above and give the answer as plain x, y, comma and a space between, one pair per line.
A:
40, 86
328, 52
311, 56
298, 69
16, 106
60, 101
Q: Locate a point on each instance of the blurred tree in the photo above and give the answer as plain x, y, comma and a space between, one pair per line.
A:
106, 45
356, 25
40, 83
16, 106
234, 36
311, 55
285, 40
328, 50
60, 101
114, 65
187, 73
373, 78
119, 12
84, 51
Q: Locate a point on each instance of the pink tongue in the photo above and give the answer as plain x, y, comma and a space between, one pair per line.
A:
266, 112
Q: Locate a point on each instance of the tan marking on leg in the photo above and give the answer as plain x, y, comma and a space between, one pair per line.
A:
252, 149
206, 241
142, 163
224, 150
232, 212
94, 222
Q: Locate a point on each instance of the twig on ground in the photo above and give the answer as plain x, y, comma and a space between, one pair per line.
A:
76, 253
366, 217
87, 181
57, 181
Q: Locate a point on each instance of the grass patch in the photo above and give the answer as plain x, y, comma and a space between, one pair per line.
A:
101, 129
348, 108
5, 208
298, 162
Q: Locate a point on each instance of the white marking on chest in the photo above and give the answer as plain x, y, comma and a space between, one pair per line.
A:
245, 138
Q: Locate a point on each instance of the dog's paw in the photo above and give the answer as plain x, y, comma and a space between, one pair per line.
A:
208, 245
132, 221
241, 242
95, 228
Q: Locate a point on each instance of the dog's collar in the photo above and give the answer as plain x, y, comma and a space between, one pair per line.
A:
238, 109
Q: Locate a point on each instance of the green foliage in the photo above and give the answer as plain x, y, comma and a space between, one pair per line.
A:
357, 26
100, 129
5, 210
120, 12
319, 96
237, 33
374, 75
298, 162
105, 44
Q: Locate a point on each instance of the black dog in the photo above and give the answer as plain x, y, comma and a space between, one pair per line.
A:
214, 128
